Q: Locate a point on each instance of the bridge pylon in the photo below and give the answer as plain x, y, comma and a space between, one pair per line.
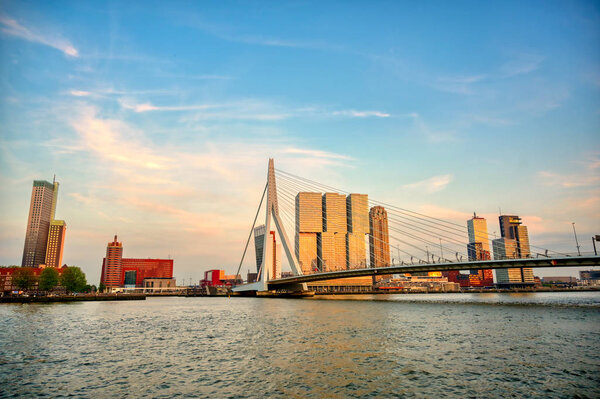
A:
273, 220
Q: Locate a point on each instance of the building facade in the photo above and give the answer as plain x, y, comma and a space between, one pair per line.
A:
379, 240
309, 222
331, 243
357, 210
112, 264
259, 240
514, 244
41, 212
56, 243
118, 271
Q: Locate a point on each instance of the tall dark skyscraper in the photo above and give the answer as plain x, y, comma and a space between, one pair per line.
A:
41, 214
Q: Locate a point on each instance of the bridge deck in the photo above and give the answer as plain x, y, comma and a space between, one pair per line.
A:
574, 261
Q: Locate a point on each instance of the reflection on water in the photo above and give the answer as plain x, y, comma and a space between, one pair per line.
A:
381, 346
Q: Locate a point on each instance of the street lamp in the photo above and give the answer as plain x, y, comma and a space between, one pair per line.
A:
595, 239
576, 242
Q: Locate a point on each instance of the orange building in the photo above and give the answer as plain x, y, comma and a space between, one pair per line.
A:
56, 243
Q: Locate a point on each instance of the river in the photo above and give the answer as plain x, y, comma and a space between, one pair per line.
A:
430, 345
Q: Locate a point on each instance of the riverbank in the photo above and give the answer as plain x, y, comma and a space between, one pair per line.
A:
480, 291
72, 298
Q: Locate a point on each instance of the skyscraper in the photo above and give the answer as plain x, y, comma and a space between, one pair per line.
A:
478, 248
514, 244
331, 243
112, 264
259, 237
511, 227
56, 243
41, 213
309, 222
259, 242
357, 209
379, 240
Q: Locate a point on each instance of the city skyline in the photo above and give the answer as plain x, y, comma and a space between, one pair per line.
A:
152, 138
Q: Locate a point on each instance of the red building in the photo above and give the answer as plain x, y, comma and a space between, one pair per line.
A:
218, 278
146, 268
118, 271
476, 278
6, 278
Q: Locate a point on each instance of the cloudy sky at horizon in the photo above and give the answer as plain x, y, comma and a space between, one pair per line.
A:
159, 118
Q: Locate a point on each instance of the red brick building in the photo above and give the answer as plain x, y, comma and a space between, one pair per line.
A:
118, 271
6, 278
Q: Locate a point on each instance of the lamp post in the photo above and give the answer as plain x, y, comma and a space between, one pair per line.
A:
594, 240
576, 242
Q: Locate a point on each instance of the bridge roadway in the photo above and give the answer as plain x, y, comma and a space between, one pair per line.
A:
568, 261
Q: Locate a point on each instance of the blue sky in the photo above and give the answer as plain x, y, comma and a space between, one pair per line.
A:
158, 118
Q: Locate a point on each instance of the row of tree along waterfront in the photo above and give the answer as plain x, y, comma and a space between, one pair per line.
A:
46, 280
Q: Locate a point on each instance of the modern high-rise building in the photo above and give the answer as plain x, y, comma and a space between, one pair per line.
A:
379, 240
357, 210
479, 249
259, 242
309, 222
477, 231
56, 243
112, 264
259, 239
331, 243
514, 244
511, 227
41, 213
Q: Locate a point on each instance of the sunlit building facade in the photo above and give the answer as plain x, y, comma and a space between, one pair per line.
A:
379, 240
357, 210
118, 271
514, 244
309, 223
56, 243
331, 243
112, 264
41, 213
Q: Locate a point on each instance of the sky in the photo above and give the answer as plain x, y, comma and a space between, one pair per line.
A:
158, 118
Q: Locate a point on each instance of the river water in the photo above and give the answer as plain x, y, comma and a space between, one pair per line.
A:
458, 345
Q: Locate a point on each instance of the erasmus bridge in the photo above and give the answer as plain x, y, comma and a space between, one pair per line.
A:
417, 243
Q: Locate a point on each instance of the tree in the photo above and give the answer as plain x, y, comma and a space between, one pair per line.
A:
24, 278
73, 279
101, 287
48, 279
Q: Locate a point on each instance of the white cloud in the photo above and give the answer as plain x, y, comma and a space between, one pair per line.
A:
11, 27
80, 93
523, 64
431, 185
361, 114
315, 153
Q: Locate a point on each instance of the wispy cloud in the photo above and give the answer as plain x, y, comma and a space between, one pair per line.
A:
248, 109
146, 107
457, 84
361, 114
80, 93
523, 64
431, 185
569, 181
432, 135
316, 153
11, 27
